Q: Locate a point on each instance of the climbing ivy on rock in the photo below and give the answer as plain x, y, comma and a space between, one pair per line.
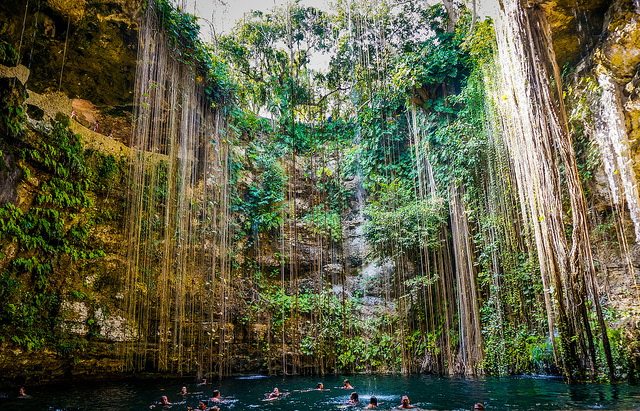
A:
44, 238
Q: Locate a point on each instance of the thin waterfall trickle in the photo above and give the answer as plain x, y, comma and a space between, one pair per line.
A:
177, 270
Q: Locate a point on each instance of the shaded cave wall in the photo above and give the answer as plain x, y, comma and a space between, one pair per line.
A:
72, 55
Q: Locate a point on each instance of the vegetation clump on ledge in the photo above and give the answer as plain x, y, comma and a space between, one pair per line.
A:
184, 38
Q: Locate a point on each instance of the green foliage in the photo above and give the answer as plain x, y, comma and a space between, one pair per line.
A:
269, 53
246, 124
105, 170
480, 44
183, 32
581, 98
330, 330
458, 146
48, 236
385, 153
324, 222
12, 112
436, 62
264, 199
399, 223
8, 54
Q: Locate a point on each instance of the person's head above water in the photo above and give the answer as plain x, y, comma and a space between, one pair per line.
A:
405, 401
354, 397
216, 393
320, 386
275, 393
164, 400
478, 406
373, 401
183, 390
202, 405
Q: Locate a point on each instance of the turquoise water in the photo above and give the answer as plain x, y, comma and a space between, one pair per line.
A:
248, 393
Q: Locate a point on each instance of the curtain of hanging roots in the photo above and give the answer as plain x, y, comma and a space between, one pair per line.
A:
538, 140
177, 275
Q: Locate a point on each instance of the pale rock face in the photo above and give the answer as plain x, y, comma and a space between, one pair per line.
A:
114, 328
612, 138
620, 52
20, 72
75, 315
50, 103
333, 268
355, 244
90, 280
614, 64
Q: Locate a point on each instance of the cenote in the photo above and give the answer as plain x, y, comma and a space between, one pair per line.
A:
440, 190
248, 392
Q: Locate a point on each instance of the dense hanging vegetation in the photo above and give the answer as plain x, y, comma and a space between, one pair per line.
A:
321, 191
411, 82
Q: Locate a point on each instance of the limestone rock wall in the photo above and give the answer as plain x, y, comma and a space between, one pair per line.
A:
73, 57
80, 56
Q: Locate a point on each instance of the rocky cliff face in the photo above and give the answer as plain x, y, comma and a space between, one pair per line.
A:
576, 26
72, 56
601, 36
85, 49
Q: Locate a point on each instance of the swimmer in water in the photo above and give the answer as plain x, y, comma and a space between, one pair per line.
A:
204, 382
373, 403
164, 400
183, 391
216, 396
405, 403
353, 399
347, 385
478, 406
275, 393
319, 387
22, 393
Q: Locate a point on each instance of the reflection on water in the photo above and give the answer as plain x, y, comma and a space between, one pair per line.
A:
249, 393
252, 377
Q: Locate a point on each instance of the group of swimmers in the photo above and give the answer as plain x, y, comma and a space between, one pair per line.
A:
276, 394
354, 398
202, 404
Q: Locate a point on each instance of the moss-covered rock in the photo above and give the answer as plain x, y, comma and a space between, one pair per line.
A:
86, 49
620, 50
576, 26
